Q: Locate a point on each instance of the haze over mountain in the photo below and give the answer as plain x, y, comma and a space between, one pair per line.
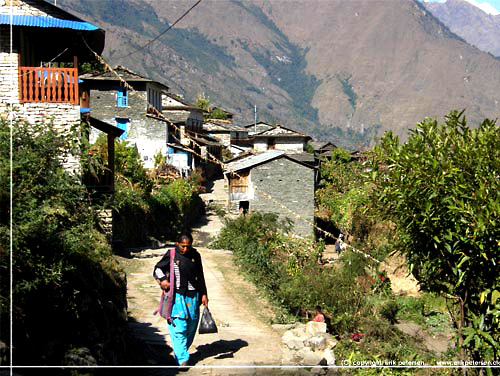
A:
477, 27
342, 71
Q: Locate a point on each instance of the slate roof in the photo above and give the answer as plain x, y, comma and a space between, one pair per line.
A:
261, 127
203, 139
222, 127
123, 72
178, 98
322, 145
304, 157
176, 117
280, 131
260, 158
253, 160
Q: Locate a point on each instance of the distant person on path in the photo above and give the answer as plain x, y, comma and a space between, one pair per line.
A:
190, 292
339, 244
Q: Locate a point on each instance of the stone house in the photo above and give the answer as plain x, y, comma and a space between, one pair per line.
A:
136, 112
277, 137
33, 85
258, 127
273, 181
225, 131
189, 146
322, 146
234, 138
177, 110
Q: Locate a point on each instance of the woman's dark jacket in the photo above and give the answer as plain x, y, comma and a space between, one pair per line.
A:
190, 269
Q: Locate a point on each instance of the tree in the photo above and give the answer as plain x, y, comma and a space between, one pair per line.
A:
441, 189
210, 112
342, 192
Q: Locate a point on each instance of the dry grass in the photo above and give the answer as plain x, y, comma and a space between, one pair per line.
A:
403, 283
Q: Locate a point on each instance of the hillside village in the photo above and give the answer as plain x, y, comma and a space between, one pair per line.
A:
279, 186
125, 105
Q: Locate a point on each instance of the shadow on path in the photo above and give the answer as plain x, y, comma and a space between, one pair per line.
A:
220, 349
148, 346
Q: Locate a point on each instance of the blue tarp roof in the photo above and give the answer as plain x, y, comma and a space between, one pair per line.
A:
39, 21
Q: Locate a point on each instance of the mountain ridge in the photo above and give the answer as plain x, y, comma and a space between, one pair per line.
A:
471, 23
340, 71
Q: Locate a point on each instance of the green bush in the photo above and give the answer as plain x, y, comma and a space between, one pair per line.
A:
161, 214
61, 264
441, 189
389, 311
288, 269
128, 165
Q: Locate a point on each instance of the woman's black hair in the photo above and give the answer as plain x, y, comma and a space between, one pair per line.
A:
185, 236
318, 308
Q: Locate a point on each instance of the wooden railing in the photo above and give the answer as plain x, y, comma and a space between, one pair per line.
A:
233, 188
54, 85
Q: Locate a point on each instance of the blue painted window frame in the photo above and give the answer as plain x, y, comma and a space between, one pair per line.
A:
122, 97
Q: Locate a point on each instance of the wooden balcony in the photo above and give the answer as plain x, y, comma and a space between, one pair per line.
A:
242, 141
52, 85
241, 188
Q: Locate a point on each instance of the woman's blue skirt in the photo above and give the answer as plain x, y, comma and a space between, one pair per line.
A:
185, 315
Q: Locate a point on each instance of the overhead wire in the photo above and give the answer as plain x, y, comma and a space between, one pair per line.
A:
224, 166
44, 65
161, 34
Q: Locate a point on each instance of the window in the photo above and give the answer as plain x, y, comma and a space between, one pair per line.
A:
122, 97
122, 124
154, 98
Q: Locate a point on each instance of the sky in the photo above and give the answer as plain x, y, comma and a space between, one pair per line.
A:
488, 6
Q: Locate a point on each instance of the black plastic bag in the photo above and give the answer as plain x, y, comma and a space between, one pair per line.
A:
207, 323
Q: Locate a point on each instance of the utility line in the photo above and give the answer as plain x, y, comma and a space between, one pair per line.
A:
161, 116
159, 35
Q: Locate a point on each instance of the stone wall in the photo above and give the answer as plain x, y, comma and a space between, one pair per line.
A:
289, 183
62, 115
9, 81
31, 8
106, 221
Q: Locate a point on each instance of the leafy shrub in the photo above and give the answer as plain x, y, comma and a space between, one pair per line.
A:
382, 284
355, 263
128, 165
56, 249
389, 311
161, 214
289, 269
441, 191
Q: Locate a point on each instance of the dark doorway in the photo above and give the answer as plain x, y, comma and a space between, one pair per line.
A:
244, 206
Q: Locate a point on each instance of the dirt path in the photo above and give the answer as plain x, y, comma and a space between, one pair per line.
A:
244, 339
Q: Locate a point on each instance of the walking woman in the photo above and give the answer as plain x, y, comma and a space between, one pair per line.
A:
189, 292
